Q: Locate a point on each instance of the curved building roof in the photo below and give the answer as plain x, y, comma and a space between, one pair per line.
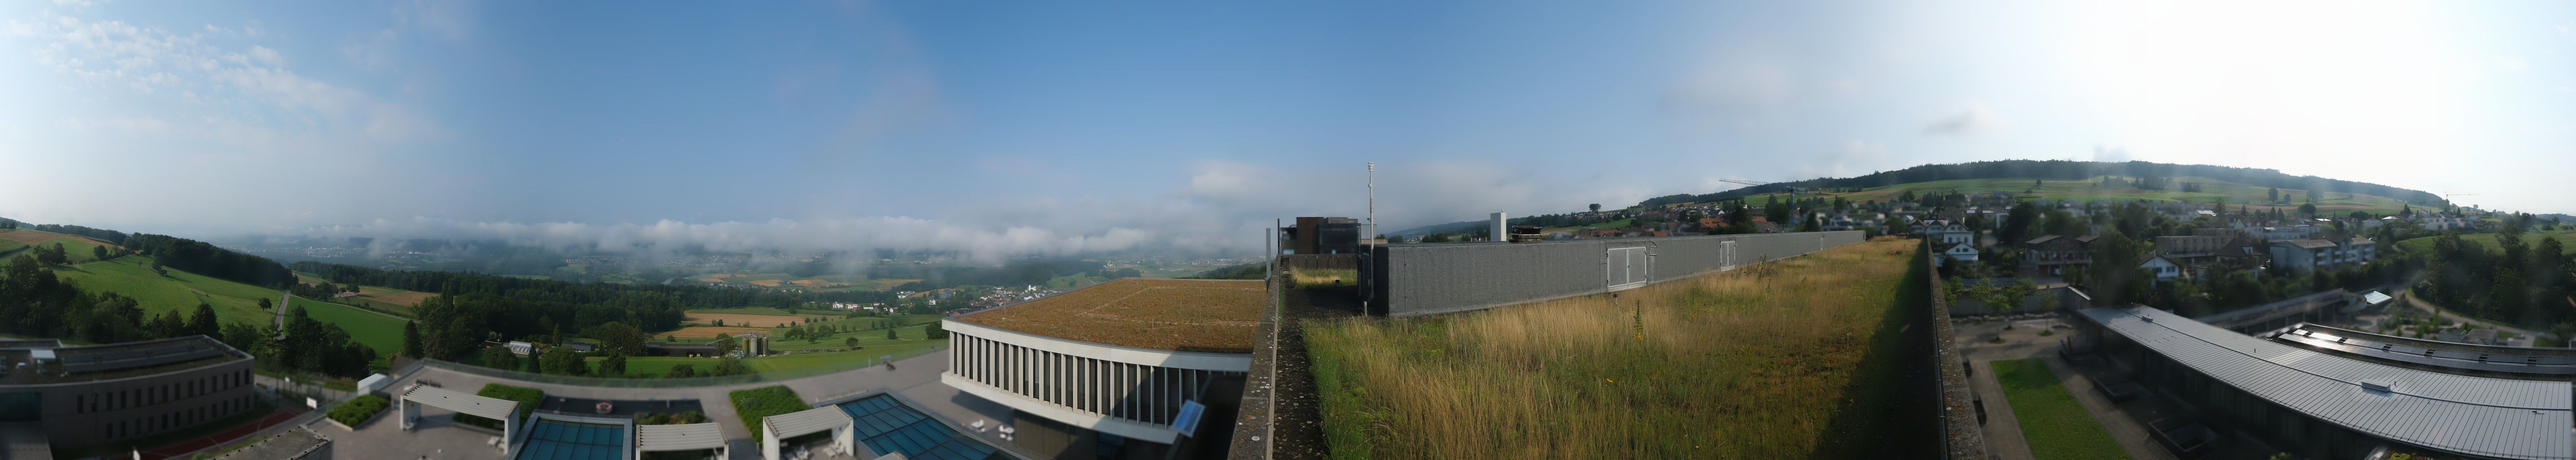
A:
2486, 417
1213, 316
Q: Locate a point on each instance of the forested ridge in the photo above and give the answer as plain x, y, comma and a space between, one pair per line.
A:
2067, 170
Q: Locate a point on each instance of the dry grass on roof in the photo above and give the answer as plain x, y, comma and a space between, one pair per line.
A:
1797, 358
1215, 316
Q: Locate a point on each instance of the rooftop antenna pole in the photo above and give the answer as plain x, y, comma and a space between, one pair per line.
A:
1372, 204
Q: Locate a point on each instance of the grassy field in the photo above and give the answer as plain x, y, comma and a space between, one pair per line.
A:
2211, 190
2055, 424
1800, 358
132, 276
75, 249
383, 333
746, 311
655, 366
2488, 240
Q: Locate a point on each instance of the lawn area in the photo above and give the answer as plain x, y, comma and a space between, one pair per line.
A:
870, 338
131, 276
2056, 425
75, 249
1800, 358
383, 333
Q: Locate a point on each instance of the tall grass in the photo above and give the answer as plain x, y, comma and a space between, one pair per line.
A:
1304, 277
1788, 359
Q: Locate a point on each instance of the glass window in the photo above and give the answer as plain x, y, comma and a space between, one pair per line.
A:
22, 407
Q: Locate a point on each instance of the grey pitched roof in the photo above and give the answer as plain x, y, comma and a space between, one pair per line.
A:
2478, 416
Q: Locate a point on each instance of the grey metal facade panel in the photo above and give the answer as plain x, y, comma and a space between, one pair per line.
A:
1423, 279
2465, 415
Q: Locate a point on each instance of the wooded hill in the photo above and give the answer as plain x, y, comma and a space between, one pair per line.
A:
2067, 170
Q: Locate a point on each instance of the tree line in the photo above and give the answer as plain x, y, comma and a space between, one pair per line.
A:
206, 259
2518, 282
474, 308
2068, 170
36, 303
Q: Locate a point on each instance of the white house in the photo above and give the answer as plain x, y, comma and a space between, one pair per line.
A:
1961, 252
2164, 269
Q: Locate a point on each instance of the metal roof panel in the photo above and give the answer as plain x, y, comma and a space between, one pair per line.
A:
2461, 414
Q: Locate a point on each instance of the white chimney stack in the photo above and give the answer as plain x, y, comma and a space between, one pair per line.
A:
1498, 233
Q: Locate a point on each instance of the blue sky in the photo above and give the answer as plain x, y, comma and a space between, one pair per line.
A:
1072, 127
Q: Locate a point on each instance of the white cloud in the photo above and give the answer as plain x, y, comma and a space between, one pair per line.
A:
267, 57
150, 59
856, 234
1973, 119
121, 124
449, 18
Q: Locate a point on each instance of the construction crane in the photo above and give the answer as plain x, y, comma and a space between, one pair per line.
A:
2446, 198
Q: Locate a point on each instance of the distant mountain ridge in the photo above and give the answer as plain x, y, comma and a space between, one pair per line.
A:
2013, 169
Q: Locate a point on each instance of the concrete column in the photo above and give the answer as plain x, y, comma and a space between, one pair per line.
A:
768, 441
844, 437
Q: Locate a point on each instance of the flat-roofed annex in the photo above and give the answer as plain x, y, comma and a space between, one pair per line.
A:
1211, 316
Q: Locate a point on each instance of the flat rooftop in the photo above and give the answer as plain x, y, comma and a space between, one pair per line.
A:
1211, 316
86, 363
2456, 414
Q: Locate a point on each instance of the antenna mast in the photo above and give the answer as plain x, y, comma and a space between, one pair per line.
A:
1372, 204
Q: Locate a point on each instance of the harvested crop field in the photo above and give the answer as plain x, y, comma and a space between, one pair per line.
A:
394, 296
1799, 358
739, 319
32, 237
711, 331
1215, 316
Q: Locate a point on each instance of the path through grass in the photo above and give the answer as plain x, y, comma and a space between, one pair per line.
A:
2055, 423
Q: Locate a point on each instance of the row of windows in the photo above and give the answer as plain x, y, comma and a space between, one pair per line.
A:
146, 396
1149, 394
178, 418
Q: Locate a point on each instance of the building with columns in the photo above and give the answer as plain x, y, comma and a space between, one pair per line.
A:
1129, 369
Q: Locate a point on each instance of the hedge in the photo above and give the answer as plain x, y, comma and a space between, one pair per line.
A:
527, 398
360, 409
757, 403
